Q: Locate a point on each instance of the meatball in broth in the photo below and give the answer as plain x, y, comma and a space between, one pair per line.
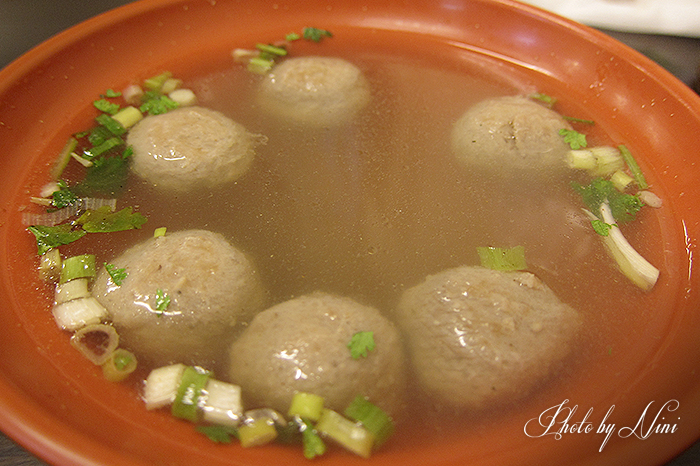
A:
212, 289
479, 337
191, 147
302, 345
510, 134
315, 91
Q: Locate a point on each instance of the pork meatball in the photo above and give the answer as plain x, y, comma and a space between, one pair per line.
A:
302, 345
212, 287
479, 337
510, 134
316, 91
191, 147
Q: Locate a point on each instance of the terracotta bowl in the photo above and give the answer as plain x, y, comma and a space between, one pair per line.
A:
56, 404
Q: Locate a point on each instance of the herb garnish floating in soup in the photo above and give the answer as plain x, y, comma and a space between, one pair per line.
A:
261, 313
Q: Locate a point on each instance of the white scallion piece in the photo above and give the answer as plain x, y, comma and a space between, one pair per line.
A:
631, 263
161, 386
70, 290
349, 434
650, 199
96, 342
78, 313
581, 159
49, 188
608, 160
128, 116
183, 97
132, 94
223, 405
50, 264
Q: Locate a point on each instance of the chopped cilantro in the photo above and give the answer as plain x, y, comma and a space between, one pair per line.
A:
360, 344
573, 138
107, 176
103, 220
218, 434
315, 34
600, 227
158, 104
106, 106
117, 275
162, 300
112, 93
51, 237
63, 197
624, 207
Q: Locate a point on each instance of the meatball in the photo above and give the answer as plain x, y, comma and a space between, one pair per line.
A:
302, 345
191, 147
316, 91
212, 286
479, 337
509, 134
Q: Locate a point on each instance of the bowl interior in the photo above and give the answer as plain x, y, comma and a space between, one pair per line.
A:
58, 406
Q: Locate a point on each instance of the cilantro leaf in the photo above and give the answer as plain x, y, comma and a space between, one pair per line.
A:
103, 220
162, 300
107, 176
360, 344
54, 236
64, 197
315, 34
311, 441
112, 93
600, 227
624, 207
117, 275
158, 104
106, 106
573, 138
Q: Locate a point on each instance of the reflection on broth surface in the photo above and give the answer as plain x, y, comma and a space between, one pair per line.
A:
370, 208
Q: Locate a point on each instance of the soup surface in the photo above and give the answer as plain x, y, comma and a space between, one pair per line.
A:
368, 209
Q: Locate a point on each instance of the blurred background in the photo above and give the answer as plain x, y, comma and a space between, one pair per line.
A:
667, 31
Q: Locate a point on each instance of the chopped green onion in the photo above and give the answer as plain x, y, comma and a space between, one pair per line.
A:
190, 394
78, 313
158, 232
257, 432
579, 120
155, 83
621, 180
271, 49
158, 105
350, 435
292, 36
113, 125
63, 158
112, 93
100, 149
170, 85
183, 97
360, 344
608, 160
96, 342
506, 259
50, 265
581, 159
72, 289
306, 406
82, 266
260, 65
161, 386
128, 117
549, 101
372, 417
634, 167
223, 405
217, 433
311, 441
119, 365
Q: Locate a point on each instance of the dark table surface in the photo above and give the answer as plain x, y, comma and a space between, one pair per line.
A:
26, 23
